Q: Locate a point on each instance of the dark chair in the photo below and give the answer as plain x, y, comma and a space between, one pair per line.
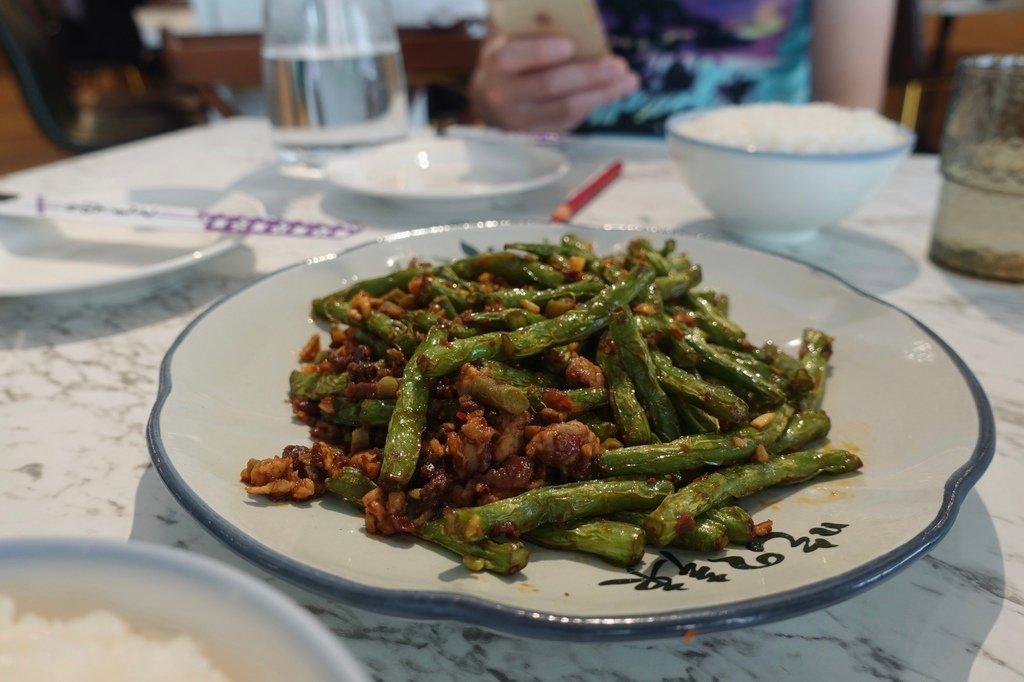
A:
26, 37
907, 60
99, 35
922, 85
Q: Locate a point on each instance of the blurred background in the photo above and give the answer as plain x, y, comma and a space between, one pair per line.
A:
77, 75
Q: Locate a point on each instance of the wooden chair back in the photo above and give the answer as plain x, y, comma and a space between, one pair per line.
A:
433, 56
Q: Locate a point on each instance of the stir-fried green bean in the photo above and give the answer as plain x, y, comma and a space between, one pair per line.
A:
557, 503
547, 394
693, 452
815, 351
635, 358
626, 408
677, 512
620, 544
402, 448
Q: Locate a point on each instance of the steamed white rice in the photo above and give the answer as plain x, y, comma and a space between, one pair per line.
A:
97, 647
803, 128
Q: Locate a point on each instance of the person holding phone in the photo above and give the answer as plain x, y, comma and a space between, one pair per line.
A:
674, 55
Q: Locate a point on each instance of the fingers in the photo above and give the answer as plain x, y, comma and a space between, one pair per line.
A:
534, 84
564, 114
512, 57
573, 77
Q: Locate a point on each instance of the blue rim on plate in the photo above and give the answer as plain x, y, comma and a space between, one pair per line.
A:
552, 625
672, 131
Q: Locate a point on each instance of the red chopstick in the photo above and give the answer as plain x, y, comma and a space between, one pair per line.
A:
590, 189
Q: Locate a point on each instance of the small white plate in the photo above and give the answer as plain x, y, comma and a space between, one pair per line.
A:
39, 257
896, 394
447, 169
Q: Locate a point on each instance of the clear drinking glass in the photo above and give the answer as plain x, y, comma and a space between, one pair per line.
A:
979, 227
333, 75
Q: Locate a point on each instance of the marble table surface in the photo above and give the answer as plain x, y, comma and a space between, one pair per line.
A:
79, 373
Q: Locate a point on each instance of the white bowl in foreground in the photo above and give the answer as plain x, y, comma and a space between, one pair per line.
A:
768, 196
245, 628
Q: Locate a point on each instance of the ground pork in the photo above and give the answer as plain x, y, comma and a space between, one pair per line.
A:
582, 373
568, 447
300, 473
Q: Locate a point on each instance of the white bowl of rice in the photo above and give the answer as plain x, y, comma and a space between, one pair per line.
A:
86, 610
774, 173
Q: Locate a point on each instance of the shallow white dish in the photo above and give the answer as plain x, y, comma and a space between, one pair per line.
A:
446, 169
163, 592
40, 257
897, 394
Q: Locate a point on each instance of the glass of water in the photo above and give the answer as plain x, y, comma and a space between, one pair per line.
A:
334, 78
979, 226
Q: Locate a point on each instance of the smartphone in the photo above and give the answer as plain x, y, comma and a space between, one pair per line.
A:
577, 20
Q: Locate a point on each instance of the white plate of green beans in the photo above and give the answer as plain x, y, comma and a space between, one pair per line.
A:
713, 436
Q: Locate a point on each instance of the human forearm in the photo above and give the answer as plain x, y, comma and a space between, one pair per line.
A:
850, 47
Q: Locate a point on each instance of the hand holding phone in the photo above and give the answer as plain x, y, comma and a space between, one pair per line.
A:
546, 66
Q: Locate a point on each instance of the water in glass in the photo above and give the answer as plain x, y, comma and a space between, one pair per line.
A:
333, 75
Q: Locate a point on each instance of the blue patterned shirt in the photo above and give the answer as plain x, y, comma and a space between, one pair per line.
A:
692, 54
